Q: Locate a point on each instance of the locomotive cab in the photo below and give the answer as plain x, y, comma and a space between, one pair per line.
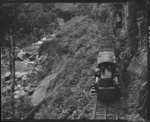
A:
107, 77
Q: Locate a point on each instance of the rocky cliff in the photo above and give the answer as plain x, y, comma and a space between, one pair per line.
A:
131, 51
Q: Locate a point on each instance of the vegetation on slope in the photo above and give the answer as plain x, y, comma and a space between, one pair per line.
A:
76, 47
131, 51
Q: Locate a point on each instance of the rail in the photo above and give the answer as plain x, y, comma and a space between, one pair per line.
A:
97, 109
102, 111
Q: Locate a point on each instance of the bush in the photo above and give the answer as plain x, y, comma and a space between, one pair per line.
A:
22, 107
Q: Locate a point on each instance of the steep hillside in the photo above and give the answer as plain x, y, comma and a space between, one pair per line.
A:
63, 69
74, 54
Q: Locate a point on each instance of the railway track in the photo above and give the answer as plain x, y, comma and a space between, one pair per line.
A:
102, 111
96, 109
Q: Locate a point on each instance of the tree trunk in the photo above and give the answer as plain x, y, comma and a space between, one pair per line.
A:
12, 71
10, 60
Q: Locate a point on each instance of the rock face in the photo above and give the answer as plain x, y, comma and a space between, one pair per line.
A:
138, 84
23, 55
131, 51
40, 92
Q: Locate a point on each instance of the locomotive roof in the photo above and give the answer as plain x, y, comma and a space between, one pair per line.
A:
106, 56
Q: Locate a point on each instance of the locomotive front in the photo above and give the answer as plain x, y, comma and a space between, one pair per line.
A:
106, 83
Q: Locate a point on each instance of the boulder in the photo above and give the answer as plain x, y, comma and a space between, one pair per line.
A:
7, 76
32, 57
16, 96
16, 88
23, 55
26, 56
31, 90
53, 35
19, 93
42, 59
19, 86
39, 42
18, 59
27, 88
31, 63
24, 77
5, 89
8, 82
44, 89
43, 39
20, 74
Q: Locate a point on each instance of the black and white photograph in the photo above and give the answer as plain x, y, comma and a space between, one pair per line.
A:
74, 60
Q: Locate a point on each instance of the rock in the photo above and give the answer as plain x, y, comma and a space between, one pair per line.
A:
39, 42
53, 35
22, 93
27, 88
31, 90
41, 91
23, 55
19, 86
31, 63
22, 88
8, 82
26, 56
19, 93
16, 87
42, 59
18, 59
32, 57
24, 77
16, 96
20, 74
43, 39
5, 89
7, 76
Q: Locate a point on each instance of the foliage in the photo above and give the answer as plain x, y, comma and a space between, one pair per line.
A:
22, 107
27, 22
79, 38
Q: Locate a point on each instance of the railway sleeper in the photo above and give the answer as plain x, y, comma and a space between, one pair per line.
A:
100, 117
90, 108
111, 116
111, 111
91, 104
93, 94
100, 112
93, 100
